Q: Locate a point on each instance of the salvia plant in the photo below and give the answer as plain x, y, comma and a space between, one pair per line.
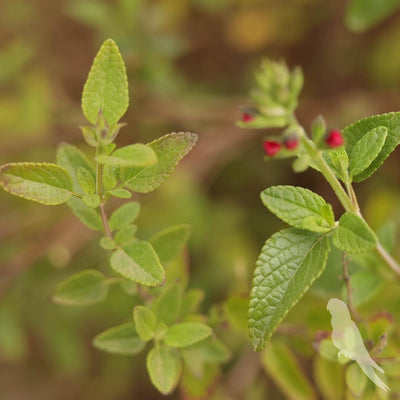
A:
292, 259
167, 316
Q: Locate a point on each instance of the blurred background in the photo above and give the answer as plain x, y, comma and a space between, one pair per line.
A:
190, 65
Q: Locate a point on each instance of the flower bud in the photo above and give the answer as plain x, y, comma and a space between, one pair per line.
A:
291, 142
271, 147
334, 139
247, 117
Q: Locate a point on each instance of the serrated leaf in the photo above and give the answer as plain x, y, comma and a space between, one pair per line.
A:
71, 158
353, 235
86, 180
124, 215
82, 289
338, 161
170, 242
139, 262
106, 88
281, 365
45, 183
289, 263
122, 339
120, 193
133, 156
164, 367
87, 215
145, 322
167, 306
299, 207
91, 200
366, 150
185, 334
353, 133
362, 15
170, 149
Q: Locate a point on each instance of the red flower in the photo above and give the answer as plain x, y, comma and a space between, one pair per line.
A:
291, 142
271, 147
246, 117
334, 139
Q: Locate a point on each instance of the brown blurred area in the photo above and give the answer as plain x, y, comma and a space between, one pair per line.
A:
190, 65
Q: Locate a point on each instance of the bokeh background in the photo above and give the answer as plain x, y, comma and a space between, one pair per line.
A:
190, 65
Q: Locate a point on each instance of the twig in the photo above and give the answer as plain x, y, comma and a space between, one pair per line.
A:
346, 278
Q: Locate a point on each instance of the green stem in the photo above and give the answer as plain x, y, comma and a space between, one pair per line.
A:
388, 259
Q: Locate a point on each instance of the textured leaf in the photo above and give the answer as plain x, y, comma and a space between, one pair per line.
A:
299, 207
126, 235
139, 262
362, 15
185, 334
170, 242
353, 133
164, 366
86, 180
106, 88
367, 149
124, 215
120, 193
82, 289
169, 150
289, 263
281, 365
87, 215
42, 182
338, 160
91, 200
353, 235
132, 156
145, 322
167, 306
122, 339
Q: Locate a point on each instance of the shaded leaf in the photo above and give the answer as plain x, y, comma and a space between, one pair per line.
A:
145, 322
185, 334
124, 215
132, 156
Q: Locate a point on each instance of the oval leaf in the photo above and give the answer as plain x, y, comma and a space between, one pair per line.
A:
42, 182
139, 262
353, 235
186, 333
164, 367
169, 150
299, 207
353, 133
106, 88
134, 155
124, 215
367, 149
82, 289
289, 263
145, 322
122, 339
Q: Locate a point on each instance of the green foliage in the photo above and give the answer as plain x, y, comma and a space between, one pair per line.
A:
86, 180
186, 334
42, 182
289, 263
300, 208
353, 235
133, 156
82, 289
145, 322
122, 339
106, 89
167, 306
124, 215
338, 161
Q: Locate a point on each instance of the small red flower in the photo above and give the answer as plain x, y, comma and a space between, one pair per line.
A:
247, 117
334, 139
291, 142
271, 147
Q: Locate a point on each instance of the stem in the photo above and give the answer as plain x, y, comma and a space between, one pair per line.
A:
388, 259
104, 220
349, 290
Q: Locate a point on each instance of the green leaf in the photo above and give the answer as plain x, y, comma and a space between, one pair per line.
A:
170, 149
139, 262
110, 177
106, 243
367, 149
126, 235
356, 380
191, 301
353, 133
170, 242
133, 156
281, 365
87, 215
145, 322
124, 215
362, 15
164, 366
185, 334
120, 193
42, 182
82, 289
299, 207
91, 200
353, 235
328, 376
106, 88
289, 263
338, 161
167, 306
122, 339
71, 158
86, 180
